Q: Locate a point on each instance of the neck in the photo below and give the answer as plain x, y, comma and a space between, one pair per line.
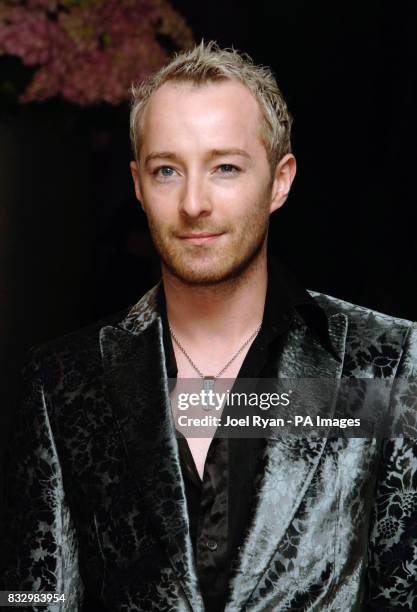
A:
224, 313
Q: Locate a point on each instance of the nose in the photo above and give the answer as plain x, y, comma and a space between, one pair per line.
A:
194, 199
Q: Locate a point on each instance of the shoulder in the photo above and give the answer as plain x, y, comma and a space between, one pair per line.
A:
354, 312
67, 355
372, 336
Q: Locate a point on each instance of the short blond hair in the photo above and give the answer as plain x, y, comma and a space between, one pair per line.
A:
206, 63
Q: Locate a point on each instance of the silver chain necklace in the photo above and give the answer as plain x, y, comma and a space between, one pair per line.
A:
208, 383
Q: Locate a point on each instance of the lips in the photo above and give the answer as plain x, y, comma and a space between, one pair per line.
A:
201, 238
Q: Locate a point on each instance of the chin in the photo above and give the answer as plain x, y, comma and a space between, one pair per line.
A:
194, 276
210, 266
206, 274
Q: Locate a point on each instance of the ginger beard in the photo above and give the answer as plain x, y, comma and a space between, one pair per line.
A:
223, 259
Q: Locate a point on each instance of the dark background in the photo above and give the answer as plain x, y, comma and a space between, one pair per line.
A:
74, 243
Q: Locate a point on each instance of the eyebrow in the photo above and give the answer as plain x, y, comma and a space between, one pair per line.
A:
211, 155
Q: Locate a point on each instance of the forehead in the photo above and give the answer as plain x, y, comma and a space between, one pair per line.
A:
219, 113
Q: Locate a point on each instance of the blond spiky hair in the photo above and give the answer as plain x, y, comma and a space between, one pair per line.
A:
206, 63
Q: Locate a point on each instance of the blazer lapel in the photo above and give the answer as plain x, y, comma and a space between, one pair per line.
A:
289, 466
134, 364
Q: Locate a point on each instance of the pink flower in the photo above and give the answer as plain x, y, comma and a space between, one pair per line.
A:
88, 53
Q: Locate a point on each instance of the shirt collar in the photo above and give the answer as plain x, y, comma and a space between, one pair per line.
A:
285, 296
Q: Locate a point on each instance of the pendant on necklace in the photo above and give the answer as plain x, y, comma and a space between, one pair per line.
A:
208, 383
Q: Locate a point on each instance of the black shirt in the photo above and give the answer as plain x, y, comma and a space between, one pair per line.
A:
220, 506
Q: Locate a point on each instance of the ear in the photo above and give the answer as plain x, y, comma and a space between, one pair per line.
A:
282, 180
134, 168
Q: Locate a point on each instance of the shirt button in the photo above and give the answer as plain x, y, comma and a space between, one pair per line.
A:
211, 544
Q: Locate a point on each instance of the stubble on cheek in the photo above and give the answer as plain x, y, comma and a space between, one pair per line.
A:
215, 262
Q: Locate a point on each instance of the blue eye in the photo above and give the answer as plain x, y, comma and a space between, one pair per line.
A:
166, 171
228, 169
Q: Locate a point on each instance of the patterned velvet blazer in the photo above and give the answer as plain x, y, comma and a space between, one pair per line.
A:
95, 500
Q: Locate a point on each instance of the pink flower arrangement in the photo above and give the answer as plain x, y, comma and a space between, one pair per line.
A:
88, 51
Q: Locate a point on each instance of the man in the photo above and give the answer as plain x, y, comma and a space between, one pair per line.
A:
106, 502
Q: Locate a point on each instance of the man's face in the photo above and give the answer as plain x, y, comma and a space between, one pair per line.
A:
204, 180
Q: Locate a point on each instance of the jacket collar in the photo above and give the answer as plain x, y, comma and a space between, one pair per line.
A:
292, 461
134, 365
